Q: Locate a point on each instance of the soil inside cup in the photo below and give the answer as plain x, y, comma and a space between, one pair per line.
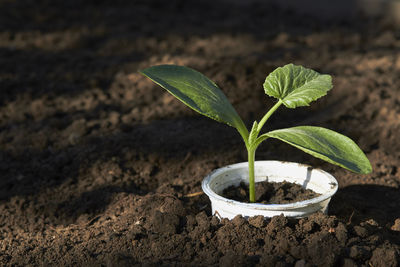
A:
270, 193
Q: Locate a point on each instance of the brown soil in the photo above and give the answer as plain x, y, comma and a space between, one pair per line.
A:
270, 193
99, 166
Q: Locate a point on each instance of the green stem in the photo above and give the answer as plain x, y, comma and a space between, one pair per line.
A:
269, 113
252, 145
252, 188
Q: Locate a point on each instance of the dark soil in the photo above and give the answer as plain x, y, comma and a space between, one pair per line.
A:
99, 166
270, 193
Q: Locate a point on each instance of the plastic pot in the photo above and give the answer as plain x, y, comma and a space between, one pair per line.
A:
273, 171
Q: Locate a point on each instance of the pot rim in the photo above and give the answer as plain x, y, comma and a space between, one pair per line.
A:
259, 206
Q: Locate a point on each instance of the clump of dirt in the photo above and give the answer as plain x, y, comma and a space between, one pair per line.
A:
270, 192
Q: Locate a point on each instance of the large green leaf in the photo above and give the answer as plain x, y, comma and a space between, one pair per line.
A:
196, 91
325, 144
296, 86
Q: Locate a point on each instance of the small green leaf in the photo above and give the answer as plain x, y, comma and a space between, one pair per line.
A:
196, 91
253, 133
296, 86
325, 144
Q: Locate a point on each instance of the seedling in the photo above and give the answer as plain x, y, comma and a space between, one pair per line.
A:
293, 86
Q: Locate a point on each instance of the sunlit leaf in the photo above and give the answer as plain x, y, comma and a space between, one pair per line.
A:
296, 86
196, 91
325, 144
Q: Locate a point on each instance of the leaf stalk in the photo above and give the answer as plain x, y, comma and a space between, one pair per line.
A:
268, 114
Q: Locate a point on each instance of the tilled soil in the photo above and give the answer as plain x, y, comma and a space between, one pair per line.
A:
99, 166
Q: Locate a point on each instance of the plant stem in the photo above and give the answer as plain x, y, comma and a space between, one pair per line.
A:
269, 113
251, 158
252, 145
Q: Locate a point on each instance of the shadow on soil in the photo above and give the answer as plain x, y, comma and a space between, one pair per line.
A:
148, 17
358, 203
65, 46
55, 73
32, 172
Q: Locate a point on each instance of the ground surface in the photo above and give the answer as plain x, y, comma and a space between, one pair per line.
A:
98, 166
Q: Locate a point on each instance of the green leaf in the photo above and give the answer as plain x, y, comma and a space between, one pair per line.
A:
296, 86
196, 91
325, 144
253, 133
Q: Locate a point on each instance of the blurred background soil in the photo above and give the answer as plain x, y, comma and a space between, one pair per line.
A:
99, 166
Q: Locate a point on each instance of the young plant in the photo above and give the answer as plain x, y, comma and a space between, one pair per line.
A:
293, 86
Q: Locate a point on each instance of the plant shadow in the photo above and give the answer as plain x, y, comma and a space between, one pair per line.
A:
360, 203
